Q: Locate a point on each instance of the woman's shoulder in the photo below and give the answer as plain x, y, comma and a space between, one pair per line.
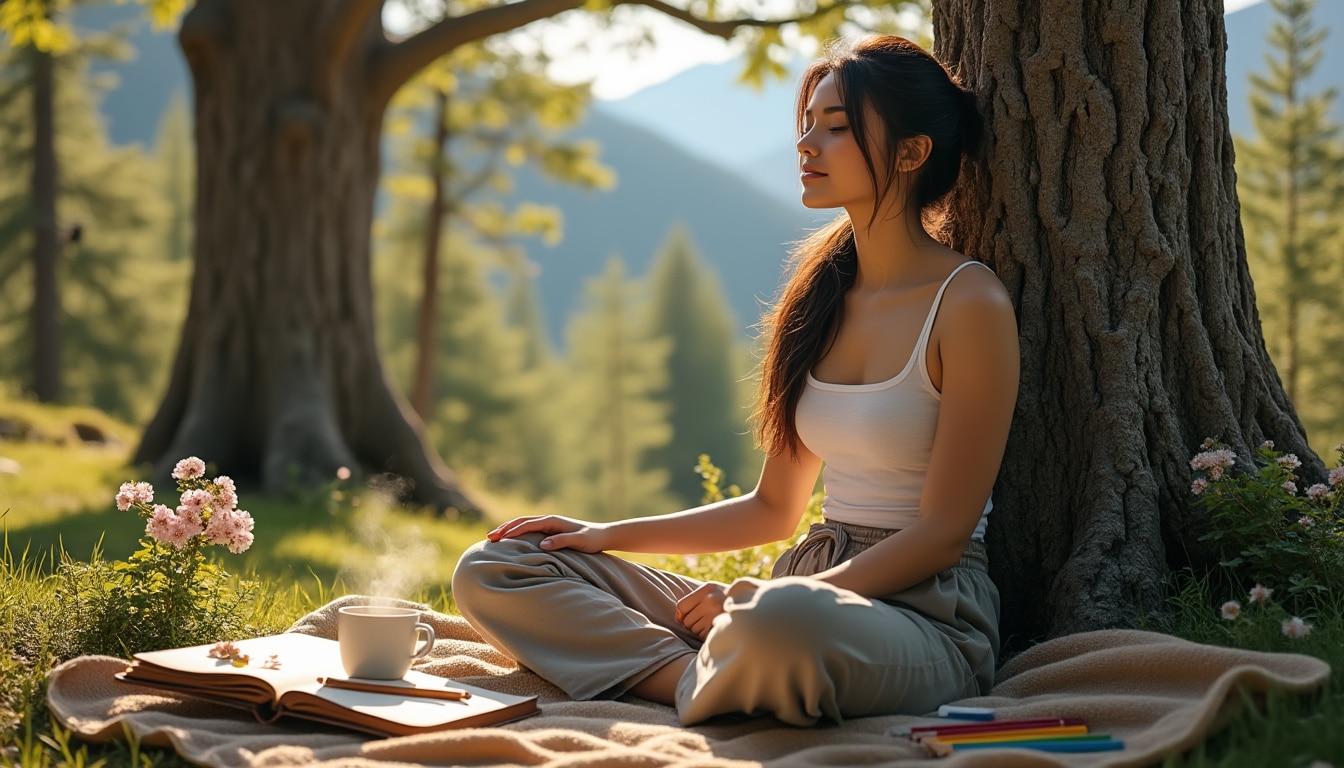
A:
975, 294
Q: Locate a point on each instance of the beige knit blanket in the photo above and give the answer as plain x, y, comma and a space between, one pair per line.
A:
1160, 694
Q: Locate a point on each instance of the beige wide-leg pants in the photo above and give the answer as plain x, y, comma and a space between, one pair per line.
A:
798, 649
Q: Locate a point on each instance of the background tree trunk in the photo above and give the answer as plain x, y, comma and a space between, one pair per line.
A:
278, 378
46, 245
1105, 198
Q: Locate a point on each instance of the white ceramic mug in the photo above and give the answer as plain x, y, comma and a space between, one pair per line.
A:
379, 642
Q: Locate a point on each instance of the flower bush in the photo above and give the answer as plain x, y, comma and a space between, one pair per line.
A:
1266, 530
167, 594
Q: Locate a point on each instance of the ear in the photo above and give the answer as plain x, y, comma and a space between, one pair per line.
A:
913, 153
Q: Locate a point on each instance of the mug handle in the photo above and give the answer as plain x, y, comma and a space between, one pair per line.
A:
429, 640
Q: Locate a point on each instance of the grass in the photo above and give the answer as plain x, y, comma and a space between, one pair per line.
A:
1282, 730
341, 540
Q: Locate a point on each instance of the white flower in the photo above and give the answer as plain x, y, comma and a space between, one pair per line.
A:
1296, 628
1290, 487
1199, 486
1260, 593
1268, 445
1305, 522
1218, 459
1288, 461
1231, 610
1337, 476
1318, 492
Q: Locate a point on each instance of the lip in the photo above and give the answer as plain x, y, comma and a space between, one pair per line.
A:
810, 174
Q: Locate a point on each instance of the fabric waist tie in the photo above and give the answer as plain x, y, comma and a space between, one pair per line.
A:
829, 543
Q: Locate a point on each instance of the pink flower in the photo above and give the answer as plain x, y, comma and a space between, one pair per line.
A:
1214, 462
1337, 476
217, 530
197, 500
227, 493
190, 520
130, 493
1231, 610
160, 520
1296, 628
1305, 522
240, 535
188, 468
231, 528
1318, 492
1260, 594
1199, 486
1288, 461
1222, 457
343, 473
1290, 487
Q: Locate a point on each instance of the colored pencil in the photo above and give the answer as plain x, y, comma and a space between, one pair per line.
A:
1095, 745
998, 725
1089, 743
1018, 735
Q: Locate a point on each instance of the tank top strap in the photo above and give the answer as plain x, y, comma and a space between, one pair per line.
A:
921, 345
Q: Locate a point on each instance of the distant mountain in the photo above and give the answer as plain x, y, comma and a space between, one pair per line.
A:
751, 132
699, 149
741, 231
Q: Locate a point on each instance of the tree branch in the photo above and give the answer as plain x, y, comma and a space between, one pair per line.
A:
399, 61
338, 35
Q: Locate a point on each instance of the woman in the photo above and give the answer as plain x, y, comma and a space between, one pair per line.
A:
891, 358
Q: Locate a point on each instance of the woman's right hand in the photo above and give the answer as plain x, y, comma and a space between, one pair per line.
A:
561, 532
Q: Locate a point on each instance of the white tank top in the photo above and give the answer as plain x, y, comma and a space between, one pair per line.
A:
876, 439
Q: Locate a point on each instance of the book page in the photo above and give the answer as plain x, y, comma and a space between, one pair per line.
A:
483, 707
302, 659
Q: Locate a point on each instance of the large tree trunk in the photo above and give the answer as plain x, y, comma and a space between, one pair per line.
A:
1105, 198
278, 378
46, 311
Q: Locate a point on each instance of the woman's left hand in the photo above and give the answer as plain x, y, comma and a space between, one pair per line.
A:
697, 610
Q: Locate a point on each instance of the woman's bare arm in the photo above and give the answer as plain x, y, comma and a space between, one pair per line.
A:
768, 513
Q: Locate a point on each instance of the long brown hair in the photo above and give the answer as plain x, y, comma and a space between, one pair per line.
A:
912, 95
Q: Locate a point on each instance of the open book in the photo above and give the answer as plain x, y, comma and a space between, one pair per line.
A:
292, 689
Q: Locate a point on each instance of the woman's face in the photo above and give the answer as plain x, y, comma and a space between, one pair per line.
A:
833, 171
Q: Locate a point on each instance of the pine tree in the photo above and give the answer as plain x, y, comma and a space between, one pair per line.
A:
614, 417
687, 306
477, 356
533, 434
111, 286
1291, 183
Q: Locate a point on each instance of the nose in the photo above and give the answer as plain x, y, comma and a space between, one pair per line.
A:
806, 147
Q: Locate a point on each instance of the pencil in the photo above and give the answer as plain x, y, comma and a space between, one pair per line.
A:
453, 694
993, 727
1089, 745
1015, 735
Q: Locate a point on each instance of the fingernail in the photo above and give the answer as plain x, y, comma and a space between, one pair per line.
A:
547, 543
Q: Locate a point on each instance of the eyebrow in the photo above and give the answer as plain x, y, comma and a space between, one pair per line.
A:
827, 110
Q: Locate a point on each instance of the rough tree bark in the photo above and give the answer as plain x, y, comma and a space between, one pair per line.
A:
1105, 198
277, 377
